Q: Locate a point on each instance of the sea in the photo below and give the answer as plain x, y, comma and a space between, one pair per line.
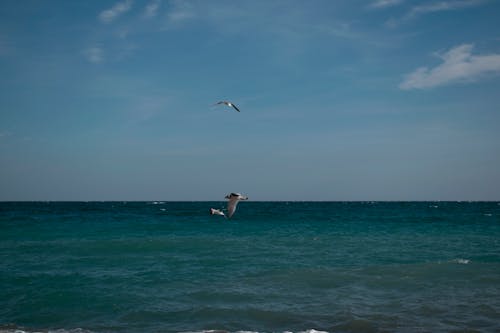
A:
274, 267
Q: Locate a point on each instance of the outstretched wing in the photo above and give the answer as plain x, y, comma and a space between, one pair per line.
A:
234, 106
217, 212
228, 104
231, 206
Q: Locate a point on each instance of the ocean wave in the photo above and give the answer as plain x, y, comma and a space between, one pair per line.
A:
19, 329
223, 331
461, 261
80, 330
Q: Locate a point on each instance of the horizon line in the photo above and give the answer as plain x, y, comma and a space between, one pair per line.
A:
158, 201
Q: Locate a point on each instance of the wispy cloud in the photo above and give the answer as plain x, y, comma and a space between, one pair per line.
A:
434, 7
385, 3
339, 29
109, 15
442, 6
4, 134
152, 8
459, 65
181, 11
94, 55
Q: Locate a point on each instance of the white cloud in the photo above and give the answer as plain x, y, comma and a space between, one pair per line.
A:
385, 3
114, 12
181, 11
339, 29
442, 6
152, 9
459, 65
4, 134
94, 54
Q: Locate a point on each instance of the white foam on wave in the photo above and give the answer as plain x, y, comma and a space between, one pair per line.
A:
15, 329
24, 330
206, 331
80, 330
223, 331
461, 261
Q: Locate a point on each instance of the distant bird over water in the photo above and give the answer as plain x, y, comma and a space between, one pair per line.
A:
234, 198
217, 212
228, 104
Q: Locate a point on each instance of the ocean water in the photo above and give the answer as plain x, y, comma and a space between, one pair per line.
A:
275, 267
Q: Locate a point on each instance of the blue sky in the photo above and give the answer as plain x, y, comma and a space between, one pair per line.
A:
340, 100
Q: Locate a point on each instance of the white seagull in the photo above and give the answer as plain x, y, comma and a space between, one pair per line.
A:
233, 198
228, 104
217, 212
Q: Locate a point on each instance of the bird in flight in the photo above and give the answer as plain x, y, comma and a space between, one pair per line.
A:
233, 198
217, 212
228, 104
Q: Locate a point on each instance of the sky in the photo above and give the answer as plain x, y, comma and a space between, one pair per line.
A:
340, 100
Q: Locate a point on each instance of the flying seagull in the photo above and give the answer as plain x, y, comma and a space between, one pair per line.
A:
233, 198
228, 104
217, 212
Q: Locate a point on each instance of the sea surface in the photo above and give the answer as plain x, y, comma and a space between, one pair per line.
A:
274, 267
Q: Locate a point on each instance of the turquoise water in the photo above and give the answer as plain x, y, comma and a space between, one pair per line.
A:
274, 267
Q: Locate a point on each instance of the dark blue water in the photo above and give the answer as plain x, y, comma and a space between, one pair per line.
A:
274, 267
